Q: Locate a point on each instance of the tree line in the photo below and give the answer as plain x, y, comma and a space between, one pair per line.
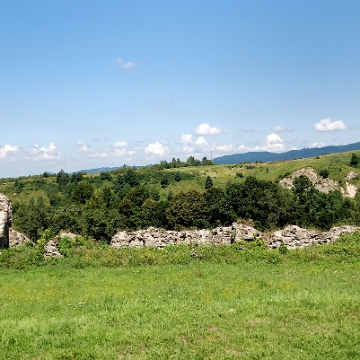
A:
128, 199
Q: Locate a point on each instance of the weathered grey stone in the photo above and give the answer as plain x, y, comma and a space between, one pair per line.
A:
5, 220
295, 237
17, 239
245, 232
51, 249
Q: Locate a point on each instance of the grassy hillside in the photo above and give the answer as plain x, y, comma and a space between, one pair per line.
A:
337, 164
222, 175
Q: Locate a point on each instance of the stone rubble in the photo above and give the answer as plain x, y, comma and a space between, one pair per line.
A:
292, 236
51, 249
17, 239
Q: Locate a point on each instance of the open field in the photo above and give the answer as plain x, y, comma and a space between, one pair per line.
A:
224, 304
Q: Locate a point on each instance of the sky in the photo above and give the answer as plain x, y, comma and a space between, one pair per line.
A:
87, 84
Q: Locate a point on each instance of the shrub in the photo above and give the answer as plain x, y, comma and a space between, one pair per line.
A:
324, 173
67, 245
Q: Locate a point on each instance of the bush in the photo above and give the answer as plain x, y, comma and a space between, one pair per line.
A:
67, 245
324, 173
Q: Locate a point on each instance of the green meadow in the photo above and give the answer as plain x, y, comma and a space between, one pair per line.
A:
227, 302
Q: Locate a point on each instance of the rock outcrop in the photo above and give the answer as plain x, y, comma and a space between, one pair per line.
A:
323, 185
5, 220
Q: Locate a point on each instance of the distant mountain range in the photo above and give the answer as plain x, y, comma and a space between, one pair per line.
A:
266, 156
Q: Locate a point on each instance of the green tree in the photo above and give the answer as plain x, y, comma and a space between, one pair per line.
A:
185, 208
104, 175
208, 182
354, 160
62, 178
82, 192
178, 176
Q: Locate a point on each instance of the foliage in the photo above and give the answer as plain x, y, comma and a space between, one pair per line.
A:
354, 160
324, 173
67, 245
208, 182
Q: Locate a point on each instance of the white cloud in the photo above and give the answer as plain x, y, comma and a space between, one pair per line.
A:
127, 65
273, 143
278, 128
206, 129
201, 142
327, 125
121, 144
6, 149
43, 153
317, 145
155, 149
186, 139
123, 152
224, 147
83, 146
188, 149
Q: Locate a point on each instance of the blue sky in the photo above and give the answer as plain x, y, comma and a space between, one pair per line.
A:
87, 84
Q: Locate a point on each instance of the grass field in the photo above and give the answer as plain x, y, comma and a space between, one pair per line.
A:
225, 304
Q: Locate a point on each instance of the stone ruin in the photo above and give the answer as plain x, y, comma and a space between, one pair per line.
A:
5, 220
291, 236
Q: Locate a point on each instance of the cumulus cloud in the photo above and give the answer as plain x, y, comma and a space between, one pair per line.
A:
43, 153
83, 146
126, 65
201, 142
7, 149
206, 129
121, 144
155, 149
186, 139
273, 143
327, 125
317, 145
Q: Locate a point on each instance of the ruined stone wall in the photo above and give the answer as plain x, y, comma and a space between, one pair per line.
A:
292, 236
5, 220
